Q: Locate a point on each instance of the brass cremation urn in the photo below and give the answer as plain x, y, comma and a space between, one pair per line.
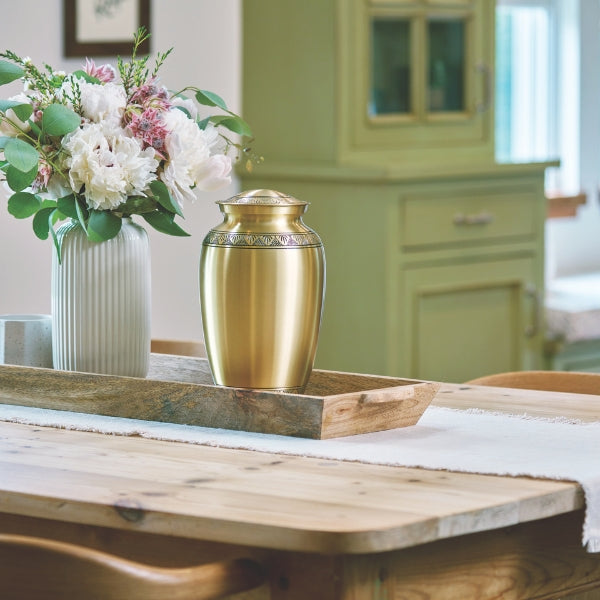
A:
262, 281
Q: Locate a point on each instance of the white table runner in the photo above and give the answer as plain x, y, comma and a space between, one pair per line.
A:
444, 439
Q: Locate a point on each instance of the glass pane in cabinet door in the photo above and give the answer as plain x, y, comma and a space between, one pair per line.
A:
446, 66
390, 67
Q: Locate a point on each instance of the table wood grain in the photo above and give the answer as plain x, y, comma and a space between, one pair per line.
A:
311, 513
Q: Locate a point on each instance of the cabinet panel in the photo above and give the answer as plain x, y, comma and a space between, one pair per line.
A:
414, 76
391, 81
446, 60
468, 320
473, 216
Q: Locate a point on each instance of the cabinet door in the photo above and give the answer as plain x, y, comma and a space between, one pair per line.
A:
416, 76
418, 65
466, 320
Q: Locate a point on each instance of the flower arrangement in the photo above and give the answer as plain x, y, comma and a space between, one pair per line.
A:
86, 147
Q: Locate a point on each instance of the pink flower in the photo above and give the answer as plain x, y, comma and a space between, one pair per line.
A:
104, 73
149, 128
151, 95
43, 176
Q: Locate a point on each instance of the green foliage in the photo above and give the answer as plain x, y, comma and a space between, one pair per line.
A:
59, 120
21, 155
102, 225
233, 123
9, 72
23, 110
66, 205
162, 196
56, 241
23, 205
82, 215
44, 83
163, 222
43, 221
80, 74
137, 205
210, 99
135, 73
18, 180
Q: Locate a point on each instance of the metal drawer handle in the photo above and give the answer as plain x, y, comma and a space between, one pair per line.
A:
483, 218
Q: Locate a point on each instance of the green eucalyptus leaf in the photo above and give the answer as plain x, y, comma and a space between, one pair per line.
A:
35, 129
202, 124
233, 123
18, 180
9, 72
81, 74
184, 110
67, 207
23, 110
82, 215
136, 205
42, 222
57, 119
56, 244
164, 223
3, 141
163, 197
23, 204
21, 155
102, 225
210, 99
57, 216
47, 203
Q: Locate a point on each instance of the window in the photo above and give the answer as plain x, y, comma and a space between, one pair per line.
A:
537, 46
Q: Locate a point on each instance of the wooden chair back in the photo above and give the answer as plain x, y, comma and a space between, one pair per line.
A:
550, 381
179, 347
34, 568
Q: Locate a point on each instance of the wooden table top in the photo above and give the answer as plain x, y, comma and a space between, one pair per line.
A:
274, 501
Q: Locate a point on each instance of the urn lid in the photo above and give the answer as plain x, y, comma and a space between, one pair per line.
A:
264, 197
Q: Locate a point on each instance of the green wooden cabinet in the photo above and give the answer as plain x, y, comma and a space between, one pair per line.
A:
413, 295
434, 252
405, 83
470, 319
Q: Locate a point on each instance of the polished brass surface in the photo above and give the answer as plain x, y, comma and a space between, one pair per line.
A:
262, 277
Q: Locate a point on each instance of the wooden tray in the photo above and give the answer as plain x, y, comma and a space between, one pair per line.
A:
180, 390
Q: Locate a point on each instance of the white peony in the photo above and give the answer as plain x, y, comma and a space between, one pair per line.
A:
190, 163
7, 128
214, 173
103, 102
98, 102
107, 165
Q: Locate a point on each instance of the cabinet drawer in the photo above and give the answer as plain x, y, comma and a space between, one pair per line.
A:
469, 217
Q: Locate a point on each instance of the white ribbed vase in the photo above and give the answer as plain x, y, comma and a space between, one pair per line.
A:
101, 302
